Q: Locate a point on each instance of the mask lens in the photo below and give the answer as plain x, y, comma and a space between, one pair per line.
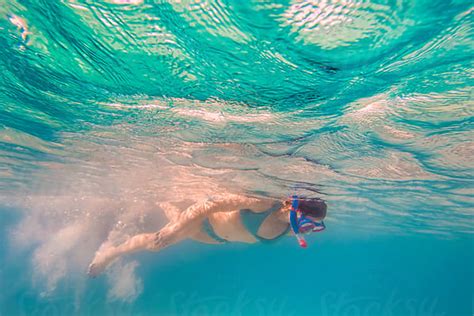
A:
318, 228
307, 227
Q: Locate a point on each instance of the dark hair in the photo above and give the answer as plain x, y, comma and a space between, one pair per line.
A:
313, 207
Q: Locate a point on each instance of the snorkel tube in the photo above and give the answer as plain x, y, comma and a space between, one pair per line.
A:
294, 222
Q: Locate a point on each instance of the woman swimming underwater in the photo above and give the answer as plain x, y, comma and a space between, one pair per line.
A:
224, 219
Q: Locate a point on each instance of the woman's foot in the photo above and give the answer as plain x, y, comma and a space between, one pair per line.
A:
102, 258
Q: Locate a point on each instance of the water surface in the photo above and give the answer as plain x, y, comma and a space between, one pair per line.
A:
110, 107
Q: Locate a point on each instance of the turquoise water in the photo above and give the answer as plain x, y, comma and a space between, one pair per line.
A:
111, 107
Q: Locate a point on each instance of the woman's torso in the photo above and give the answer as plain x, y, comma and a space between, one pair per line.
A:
237, 226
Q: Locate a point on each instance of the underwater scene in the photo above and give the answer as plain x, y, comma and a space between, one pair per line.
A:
218, 157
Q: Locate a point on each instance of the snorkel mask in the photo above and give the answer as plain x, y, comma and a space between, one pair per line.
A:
300, 224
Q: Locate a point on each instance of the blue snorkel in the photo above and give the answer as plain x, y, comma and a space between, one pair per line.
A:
293, 215
294, 222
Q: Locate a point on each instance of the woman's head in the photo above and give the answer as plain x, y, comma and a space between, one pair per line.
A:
313, 207
305, 216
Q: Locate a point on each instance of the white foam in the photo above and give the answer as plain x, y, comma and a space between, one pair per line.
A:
124, 284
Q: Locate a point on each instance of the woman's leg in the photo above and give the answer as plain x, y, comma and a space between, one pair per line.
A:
153, 242
186, 225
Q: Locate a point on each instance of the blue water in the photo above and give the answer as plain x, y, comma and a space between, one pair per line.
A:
108, 108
